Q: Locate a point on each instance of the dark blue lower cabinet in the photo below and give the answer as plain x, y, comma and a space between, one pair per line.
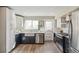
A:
28, 40
63, 41
18, 38
25, 40
65, 45
32, 39
22, 39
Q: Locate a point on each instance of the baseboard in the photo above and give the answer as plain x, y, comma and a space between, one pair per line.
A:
49, 40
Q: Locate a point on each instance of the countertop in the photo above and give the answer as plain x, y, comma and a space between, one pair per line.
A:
62, 34
30, 32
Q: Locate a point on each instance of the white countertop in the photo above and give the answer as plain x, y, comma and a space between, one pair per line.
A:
31, 32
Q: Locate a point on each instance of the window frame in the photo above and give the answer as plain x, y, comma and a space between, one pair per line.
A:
31, 25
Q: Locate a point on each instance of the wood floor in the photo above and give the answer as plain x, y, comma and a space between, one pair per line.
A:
47, 47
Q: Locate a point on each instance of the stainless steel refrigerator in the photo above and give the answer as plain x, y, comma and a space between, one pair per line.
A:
74, 32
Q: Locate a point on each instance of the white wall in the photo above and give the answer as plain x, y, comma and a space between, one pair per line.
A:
10, 30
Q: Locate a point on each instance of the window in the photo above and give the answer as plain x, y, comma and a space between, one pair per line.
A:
19, 22
31, 24
28, 24
48, 25
35, 24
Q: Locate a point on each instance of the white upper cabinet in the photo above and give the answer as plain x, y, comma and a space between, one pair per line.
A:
59, 23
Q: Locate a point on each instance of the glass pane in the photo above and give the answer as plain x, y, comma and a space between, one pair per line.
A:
35, 24
28, 24
48, 25
19, 22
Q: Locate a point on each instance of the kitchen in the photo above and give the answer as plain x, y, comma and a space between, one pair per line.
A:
35, 25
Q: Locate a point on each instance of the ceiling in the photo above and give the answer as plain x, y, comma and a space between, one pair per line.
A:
42, 10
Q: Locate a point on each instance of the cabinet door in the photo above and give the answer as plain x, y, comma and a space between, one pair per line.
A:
41, 38
59, 23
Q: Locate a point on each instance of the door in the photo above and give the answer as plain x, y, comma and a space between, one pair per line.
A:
49, 30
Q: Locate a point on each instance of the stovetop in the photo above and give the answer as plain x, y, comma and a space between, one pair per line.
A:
63, 34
